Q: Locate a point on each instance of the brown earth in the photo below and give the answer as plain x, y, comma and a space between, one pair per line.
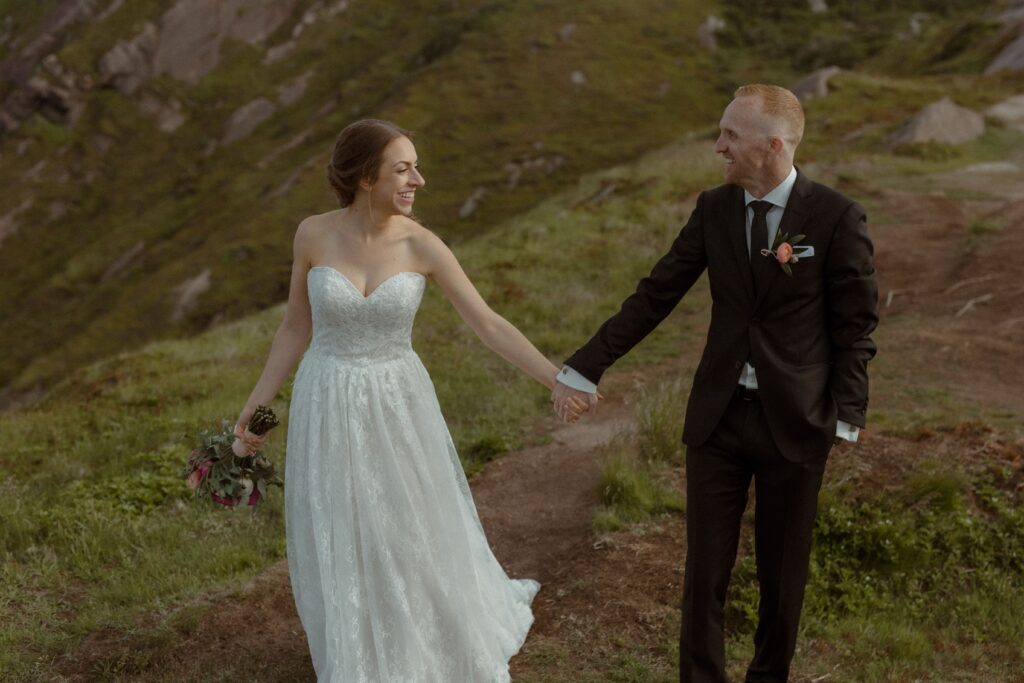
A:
614, 599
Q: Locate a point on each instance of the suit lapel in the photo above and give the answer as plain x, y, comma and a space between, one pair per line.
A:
793, 219
737, 228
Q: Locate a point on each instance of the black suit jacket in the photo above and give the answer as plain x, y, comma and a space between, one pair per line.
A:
807, 336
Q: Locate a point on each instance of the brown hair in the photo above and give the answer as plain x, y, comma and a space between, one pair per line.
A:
358, 154
780, 104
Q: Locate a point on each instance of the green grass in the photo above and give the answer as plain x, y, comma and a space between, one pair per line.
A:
908, 583
636, 468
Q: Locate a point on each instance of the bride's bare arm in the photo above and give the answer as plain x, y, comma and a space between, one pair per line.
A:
292, 335
495, 332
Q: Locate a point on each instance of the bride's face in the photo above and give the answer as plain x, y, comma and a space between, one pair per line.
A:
398, 178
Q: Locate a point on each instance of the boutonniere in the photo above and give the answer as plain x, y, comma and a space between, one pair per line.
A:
787, 250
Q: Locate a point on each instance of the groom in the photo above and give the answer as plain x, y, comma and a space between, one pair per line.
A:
783, 374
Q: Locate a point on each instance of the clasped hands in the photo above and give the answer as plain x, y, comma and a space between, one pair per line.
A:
571, 403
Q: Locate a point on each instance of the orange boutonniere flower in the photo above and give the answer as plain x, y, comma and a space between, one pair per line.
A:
782, 250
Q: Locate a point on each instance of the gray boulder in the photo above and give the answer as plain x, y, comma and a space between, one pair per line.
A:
814, 84
246, 118
126, 66
1010, 111
707, 30
943, 122
293, 90
187, 294
169, 117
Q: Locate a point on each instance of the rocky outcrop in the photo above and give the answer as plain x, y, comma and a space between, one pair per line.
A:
517, 168
127, 65
814, 84
706, 33
246, 118
191, 32
943, 122
1010, 112
188, 293
122, 262
472, 203
168, 116
292, 91
9, 223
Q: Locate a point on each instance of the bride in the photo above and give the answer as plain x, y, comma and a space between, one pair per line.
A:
392, 575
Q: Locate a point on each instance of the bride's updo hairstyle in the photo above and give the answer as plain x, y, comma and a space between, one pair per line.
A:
357, 155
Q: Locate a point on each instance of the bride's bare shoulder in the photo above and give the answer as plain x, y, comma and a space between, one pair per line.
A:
420, 236
312, 232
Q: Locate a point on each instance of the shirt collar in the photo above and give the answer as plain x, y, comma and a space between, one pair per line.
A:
779, 195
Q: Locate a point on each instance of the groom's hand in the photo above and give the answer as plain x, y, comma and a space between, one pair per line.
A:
570, 403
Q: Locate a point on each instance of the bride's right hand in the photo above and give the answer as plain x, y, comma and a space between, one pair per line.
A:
252, 441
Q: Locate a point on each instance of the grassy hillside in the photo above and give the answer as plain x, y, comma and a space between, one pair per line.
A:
512, 102
484, 84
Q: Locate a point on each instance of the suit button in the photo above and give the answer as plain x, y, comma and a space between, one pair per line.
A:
738, 364
755, 319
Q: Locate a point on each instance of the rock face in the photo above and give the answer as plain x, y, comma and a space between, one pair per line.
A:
246, 118
814, 84
1010, 59
1010, 111
191, 32
943, 122
127, 65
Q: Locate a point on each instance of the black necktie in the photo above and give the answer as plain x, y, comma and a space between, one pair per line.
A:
759, 239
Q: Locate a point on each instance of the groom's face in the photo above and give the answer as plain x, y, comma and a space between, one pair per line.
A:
744, 143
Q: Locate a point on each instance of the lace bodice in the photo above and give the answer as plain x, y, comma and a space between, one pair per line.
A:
351, 327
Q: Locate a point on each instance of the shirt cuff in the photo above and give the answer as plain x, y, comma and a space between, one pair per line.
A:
575, 380
845, 430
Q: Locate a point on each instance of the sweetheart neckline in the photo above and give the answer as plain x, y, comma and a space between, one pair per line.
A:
356, 289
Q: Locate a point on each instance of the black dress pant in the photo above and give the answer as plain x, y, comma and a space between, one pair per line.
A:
718, 475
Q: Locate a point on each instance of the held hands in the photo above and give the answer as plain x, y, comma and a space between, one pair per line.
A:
570, 404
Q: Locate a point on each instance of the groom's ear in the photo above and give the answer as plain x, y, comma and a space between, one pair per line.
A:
776, 144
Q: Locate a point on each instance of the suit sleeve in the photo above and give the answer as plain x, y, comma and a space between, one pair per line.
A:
655, 297
852, 291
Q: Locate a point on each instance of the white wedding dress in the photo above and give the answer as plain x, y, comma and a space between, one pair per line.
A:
391, 571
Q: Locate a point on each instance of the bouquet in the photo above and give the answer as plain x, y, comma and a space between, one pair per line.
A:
222, 469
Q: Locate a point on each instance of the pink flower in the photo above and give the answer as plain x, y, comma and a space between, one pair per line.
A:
784, 252
196, 478
221, 500
255, 497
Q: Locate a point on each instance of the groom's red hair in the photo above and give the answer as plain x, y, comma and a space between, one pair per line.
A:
778, 103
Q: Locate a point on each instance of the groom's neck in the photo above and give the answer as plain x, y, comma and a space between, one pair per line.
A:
768, 180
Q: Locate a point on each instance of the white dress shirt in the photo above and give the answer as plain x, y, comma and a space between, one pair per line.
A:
778, 197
